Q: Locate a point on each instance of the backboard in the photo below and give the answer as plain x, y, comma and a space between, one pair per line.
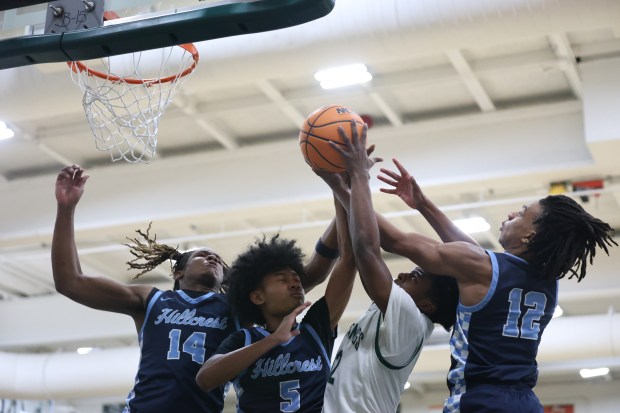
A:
143, 25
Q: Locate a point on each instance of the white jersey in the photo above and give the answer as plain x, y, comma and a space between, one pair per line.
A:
376, 357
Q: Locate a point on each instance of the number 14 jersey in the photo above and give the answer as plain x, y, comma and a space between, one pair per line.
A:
180, 331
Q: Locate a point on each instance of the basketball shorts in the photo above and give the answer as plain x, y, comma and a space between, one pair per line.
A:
497, 398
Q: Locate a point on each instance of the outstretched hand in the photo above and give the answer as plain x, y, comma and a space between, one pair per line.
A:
70, 185
353, 151
404, 185
284, 332
340, 180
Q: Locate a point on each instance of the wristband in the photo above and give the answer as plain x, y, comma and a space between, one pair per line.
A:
325, 251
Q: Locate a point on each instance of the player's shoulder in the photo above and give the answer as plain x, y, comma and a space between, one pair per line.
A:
401, 298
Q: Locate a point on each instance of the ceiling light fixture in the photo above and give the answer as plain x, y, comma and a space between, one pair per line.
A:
589, 373
472, 225
84, 350
5, 131
343, 76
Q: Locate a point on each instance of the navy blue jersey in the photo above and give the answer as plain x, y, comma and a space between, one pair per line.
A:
290, 377
178, 334
496, 341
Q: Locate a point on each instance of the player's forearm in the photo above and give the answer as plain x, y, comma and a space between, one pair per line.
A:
387, 232
362, 221
341, 281
344, 237
441, 224
319, 265
343, 195
222, 368
365, 238
65, 261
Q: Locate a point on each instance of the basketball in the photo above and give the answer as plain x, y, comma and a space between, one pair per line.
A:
319, 129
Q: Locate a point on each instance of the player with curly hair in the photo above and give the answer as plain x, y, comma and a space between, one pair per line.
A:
279, 364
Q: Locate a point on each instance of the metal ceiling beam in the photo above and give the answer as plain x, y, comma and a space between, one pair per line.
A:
190, 109
296, 117
222, 137
471, 81
568, 63
435, 75
391, 114
62, 160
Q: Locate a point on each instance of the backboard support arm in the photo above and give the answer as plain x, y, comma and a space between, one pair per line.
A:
162, 31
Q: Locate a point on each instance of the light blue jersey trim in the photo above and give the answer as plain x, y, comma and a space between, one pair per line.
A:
236, 384
316, 338
492, 287
267, 333
148, 312
248, 338
196, 300
149, 307
515, 257
459, 343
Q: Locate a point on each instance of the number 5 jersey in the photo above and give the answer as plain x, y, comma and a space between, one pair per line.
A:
290, 377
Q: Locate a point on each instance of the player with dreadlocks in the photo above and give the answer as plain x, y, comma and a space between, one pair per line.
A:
505, 299
178, 329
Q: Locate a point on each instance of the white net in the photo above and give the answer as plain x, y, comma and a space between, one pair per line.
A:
125, 97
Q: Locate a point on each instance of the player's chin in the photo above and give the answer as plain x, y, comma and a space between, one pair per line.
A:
297, 300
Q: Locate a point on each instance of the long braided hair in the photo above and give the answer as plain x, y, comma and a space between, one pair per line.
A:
566, 238
149, 254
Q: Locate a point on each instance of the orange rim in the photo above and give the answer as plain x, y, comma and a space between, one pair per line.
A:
81, 67
189, 47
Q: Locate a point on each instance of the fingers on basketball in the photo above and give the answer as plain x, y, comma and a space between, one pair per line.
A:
321, 128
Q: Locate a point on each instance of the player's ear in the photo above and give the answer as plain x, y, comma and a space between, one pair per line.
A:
528, 237
427, 307
177, 275
257, 297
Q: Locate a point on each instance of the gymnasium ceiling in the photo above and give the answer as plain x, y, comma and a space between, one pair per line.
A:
486, 105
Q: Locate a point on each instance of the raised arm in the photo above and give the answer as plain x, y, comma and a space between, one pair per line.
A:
221, 368
323, 258
97, 292
392, 239
340, 284
405, 186
363, 229
468, 263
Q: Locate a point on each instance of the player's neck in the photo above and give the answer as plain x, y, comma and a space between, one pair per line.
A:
194, 293
198, 288
272, 322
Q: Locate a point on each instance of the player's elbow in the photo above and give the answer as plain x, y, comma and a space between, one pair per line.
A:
207, 379
67, 284
62, 287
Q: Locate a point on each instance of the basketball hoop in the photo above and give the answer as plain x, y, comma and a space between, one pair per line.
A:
123, 102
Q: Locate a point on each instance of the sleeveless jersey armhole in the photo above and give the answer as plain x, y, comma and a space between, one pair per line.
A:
380, 356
